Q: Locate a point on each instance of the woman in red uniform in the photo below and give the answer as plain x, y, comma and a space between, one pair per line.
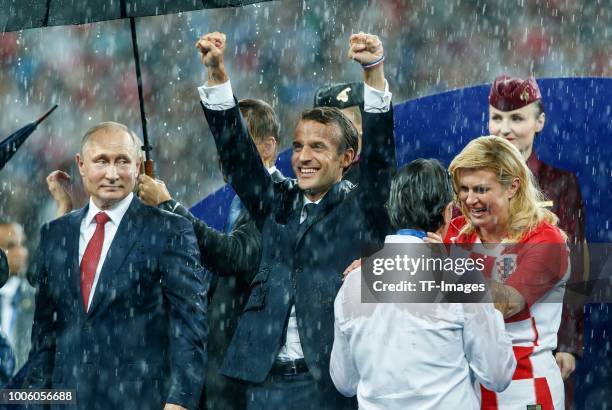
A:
526, 259
516, 113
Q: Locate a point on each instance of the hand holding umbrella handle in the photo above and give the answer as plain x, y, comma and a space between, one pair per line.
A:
148, 167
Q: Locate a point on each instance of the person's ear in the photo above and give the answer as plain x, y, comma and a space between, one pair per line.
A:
80, 163
540, 122
513, 188
448, 213
347, 157
269, 146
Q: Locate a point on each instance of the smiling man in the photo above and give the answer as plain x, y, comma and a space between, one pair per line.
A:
120, 311
312, 228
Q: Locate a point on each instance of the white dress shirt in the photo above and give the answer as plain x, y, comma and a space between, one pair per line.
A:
221, 97
88, 227
417, 355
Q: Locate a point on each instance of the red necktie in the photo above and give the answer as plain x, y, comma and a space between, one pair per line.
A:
91, 257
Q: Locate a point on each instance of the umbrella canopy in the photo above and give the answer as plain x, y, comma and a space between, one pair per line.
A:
10, 145
23, 14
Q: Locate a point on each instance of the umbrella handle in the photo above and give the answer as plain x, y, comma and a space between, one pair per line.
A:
45, 115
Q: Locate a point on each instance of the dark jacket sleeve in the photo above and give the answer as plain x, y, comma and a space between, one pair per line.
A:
376, 168
7, 360
236, 253
241, 162
185, 286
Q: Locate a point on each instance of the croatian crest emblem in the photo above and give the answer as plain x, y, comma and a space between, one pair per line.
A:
505, 266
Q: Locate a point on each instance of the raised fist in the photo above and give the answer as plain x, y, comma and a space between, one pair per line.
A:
211, 47
365, 48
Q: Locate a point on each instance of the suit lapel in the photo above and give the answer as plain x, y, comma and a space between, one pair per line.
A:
127, 235
73, 235
332, 198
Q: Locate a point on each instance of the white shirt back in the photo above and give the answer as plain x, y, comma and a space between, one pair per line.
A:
416, 355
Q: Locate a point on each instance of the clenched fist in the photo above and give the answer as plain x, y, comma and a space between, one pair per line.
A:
212, 47
365, 48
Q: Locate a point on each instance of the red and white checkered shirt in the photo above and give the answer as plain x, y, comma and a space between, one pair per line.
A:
537, 266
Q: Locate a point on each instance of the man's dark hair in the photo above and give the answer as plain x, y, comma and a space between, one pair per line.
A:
420, 191
348, 137
260, 118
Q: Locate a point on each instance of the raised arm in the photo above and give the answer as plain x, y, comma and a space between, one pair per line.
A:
378, 161
239, 157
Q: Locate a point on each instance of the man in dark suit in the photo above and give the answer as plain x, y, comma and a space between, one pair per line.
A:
121, 305
232, 256
311, 229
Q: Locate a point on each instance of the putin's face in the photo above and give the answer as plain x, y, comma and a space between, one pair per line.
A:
109, 166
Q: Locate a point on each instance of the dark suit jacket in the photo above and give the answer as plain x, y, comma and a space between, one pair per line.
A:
301, 264
143, 341
562, 188
7, 360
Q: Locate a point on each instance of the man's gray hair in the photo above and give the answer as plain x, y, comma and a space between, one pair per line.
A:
111, 124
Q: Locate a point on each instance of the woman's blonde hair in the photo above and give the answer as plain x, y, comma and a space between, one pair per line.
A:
504, 159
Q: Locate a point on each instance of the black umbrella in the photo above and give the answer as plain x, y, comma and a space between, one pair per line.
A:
23, 14
11, 144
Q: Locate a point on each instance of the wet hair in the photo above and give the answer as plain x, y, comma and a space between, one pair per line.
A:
111, 124
348, 138
420, 192
261, 120
498, 155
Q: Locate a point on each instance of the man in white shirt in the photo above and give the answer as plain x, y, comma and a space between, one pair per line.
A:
421, 356
311, 229
121, 305
17, 295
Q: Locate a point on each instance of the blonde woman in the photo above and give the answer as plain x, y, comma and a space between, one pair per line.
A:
526, 260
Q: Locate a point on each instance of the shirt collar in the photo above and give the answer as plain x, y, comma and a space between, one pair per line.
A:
115, 213
308, 201
533, 163
403, 239
272, 169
